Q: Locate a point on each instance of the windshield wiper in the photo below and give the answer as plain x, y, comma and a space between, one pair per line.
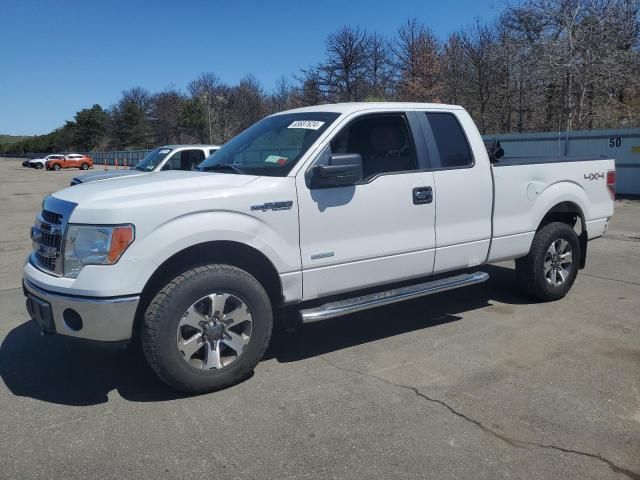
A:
221, 166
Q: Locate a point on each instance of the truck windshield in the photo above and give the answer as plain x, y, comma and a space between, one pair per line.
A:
152, 160
270, 147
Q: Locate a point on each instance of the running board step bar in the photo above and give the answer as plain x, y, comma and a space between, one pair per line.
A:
373, 300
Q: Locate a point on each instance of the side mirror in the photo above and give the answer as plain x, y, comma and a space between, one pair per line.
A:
343, 169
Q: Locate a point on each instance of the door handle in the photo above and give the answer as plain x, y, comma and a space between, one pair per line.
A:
422, 195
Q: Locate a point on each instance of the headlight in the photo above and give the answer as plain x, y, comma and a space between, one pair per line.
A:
94, 245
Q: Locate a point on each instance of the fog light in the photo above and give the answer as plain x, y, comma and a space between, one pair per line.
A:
72, 319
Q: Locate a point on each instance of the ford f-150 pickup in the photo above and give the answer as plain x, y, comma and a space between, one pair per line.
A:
322, 210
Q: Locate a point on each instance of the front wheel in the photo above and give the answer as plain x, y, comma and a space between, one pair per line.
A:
84, 166
551, 267
39, 166
56, 167
207, 328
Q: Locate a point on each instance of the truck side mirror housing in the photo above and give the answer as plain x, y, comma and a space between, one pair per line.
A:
343, 170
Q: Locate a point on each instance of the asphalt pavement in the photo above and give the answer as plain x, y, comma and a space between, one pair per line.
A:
476, 383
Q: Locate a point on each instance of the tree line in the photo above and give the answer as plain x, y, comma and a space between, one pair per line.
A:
542, 65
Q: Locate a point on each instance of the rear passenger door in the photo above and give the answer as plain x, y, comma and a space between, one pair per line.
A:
380, 230
463, 190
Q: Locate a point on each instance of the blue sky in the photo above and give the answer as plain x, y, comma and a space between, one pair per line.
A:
61, 56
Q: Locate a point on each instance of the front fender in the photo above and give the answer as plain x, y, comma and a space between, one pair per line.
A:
279, 246
277, 241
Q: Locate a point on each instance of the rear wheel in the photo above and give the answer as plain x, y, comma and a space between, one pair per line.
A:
207, 328
551, 267
56, 166
84, 166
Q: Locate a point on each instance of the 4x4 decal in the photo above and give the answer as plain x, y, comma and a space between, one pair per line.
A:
594, 176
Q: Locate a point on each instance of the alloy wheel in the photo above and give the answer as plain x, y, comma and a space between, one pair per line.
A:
214, 331
558, 262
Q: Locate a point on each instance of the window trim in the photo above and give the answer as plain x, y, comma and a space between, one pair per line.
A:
411, 126
168, 157
432, 145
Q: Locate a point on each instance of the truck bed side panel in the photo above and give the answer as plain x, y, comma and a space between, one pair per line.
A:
524, 193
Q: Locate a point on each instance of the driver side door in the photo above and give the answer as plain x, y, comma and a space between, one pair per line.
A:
380, 230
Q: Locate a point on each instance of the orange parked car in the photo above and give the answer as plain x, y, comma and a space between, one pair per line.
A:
73, 160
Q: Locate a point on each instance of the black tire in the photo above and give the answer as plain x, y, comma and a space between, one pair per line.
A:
56, 166
39, 166
530, 270
163, 315
84, 166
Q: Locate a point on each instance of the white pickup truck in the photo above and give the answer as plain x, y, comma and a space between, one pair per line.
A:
167, 157
326, 210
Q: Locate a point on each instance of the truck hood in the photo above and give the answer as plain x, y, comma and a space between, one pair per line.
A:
92, 177
109, 198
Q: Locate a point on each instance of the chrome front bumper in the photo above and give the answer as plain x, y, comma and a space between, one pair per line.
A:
90, 318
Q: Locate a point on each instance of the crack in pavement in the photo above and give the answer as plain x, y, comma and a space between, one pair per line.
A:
610, 279
514, 442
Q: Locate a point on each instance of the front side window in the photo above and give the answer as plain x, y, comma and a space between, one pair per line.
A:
153, 159
383, 141
271, 146
184, 160
450, 139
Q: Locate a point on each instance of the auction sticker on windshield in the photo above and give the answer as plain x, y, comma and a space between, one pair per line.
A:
307, 124
276, 159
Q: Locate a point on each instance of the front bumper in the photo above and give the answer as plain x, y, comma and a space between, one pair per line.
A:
90, 318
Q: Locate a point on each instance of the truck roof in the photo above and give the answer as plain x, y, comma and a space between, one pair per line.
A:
184, 145
359, 106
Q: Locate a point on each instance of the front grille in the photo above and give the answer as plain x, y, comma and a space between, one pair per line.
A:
51, 218
47, 240
48, 263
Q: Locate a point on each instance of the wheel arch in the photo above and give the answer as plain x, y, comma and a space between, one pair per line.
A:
568, 212
228, 252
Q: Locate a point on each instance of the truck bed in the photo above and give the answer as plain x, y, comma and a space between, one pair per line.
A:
523, 194
511, 161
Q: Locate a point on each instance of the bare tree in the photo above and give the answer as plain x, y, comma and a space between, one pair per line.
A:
343, 72
378, 74
586, 52
310, 91
478, 46
542, 65
282, 96
453, 70
166, 112
246, 105
418, 63
206, 89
